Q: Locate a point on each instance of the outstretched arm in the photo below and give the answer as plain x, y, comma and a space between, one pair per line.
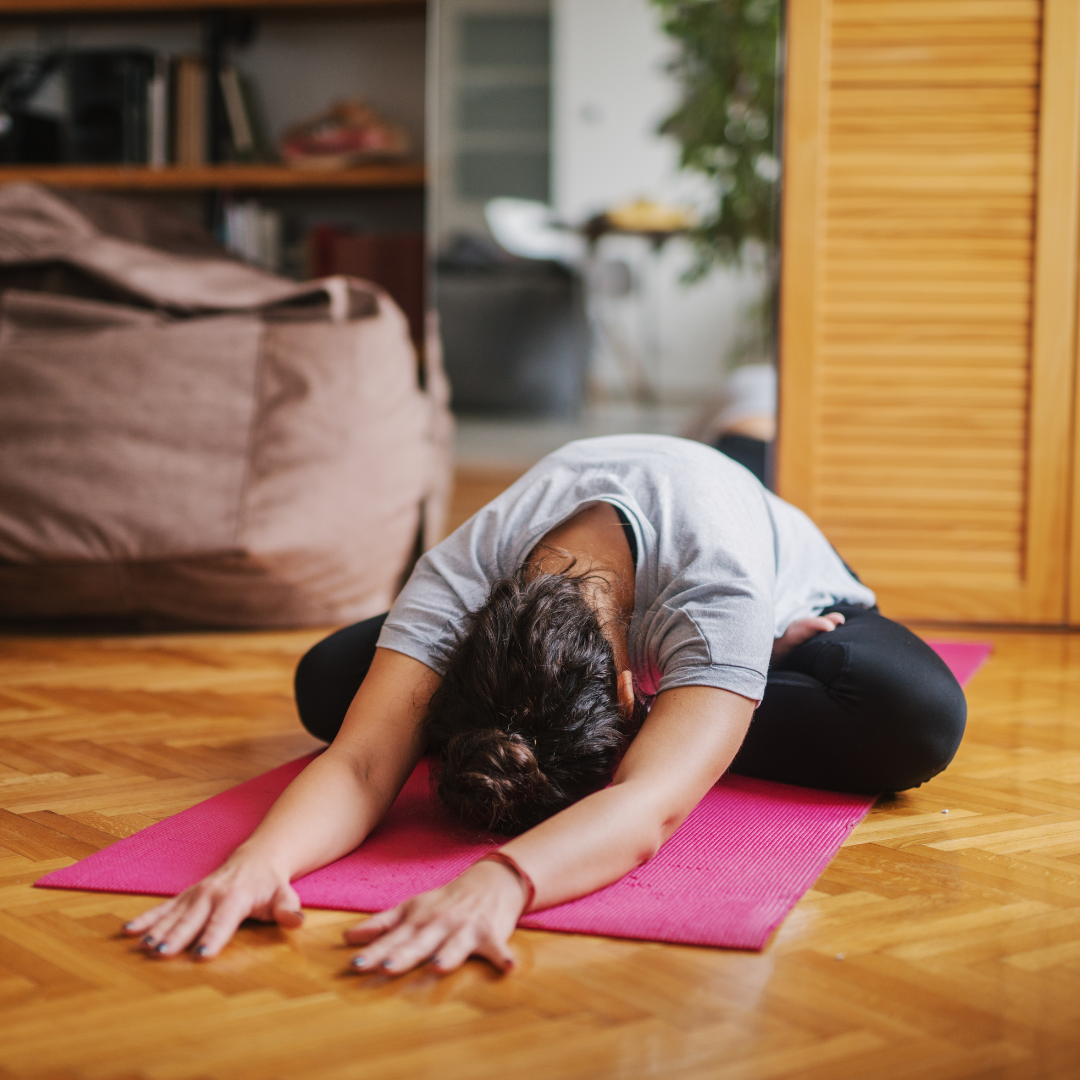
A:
323, 814
686, 744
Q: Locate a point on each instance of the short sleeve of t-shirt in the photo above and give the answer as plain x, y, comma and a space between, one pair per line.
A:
703, 613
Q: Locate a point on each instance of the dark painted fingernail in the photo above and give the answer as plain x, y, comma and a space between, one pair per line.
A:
129, 925
359, 961
387, 964
436, 960
161, 946
202, 950
148, 940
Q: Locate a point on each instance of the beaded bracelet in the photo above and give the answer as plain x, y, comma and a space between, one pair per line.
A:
511, 863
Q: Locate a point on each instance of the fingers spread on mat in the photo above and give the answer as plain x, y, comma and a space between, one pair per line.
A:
371, 928
220, 927
141, 923
184, 923
285, 908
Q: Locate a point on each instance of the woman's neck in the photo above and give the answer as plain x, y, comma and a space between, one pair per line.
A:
592, 544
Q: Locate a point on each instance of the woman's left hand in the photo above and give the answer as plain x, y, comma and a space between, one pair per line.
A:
474, 914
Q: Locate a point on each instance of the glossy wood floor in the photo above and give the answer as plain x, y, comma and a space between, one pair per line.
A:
934, 946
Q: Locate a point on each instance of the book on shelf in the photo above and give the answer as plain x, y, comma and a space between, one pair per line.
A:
247, 137
396, 261
189, 111
157, 95
241, 131
252, 232
107, 93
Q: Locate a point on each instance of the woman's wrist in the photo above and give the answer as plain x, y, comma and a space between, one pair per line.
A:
528, 889
501, 884
249, 856
498, 884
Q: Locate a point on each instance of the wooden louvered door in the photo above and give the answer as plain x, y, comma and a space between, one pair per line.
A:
929, 293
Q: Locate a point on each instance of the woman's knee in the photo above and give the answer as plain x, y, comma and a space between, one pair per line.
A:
330, 673
922, 721
314, 676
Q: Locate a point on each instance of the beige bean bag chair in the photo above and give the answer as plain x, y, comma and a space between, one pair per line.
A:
187, 438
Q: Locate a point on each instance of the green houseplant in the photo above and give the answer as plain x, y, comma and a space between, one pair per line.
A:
726, 123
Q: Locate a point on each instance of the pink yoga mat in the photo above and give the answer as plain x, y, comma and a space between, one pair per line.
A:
963, 657
735, 868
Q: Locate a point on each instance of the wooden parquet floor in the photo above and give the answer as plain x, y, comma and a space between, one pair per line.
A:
935, 946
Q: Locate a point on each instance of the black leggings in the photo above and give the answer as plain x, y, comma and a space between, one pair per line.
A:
867, 707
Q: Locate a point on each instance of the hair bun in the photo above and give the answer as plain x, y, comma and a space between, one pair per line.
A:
488, 774
533, 659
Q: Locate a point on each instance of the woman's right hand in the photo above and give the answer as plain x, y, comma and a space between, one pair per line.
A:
323, 814
803, 630
207, 914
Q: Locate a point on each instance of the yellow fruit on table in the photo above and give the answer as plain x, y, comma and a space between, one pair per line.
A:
647, 216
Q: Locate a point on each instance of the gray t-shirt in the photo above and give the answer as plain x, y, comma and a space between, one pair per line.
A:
723, 565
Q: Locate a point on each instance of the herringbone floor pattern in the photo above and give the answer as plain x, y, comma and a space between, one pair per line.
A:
935, 946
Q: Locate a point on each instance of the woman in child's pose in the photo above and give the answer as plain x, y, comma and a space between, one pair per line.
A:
584, 659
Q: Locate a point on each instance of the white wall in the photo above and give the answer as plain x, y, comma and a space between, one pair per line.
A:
611, 91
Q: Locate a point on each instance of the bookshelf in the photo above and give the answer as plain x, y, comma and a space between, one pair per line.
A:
265, 213
377, 175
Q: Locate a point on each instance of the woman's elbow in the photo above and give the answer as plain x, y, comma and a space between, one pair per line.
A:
659, 831
646, 850
648, 817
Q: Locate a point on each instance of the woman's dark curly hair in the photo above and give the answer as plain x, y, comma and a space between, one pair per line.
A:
526, 719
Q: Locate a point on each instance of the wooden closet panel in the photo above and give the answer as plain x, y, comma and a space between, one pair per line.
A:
923, 374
